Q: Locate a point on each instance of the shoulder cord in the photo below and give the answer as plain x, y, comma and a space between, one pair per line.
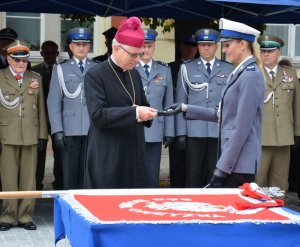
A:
195, 87
9, 105
63, 84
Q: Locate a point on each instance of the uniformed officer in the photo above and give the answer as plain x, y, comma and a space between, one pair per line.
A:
49, 52
200, 83
109, 35
281, 115
23, 132
67, 107
240, 110
157, 82
188, 50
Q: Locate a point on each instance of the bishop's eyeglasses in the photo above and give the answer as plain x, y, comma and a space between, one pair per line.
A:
132, 55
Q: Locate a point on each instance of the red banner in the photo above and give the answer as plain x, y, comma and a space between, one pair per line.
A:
215, 208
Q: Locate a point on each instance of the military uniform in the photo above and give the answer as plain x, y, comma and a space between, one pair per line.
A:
197, 87
23, 124
281, 115
281, 122
158, 88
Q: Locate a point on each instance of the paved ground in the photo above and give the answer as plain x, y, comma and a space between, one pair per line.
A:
43, 217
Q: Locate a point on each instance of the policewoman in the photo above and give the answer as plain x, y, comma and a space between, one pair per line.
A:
239, 112
200, 82
23, 131
281, 115
157, 83
67, 108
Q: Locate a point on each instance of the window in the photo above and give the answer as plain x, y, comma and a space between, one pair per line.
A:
28, 27
281, 31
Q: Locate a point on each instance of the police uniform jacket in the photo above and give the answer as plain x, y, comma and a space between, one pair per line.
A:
158, 88
240, 120
26, 123
281, 115
66, 114
208, 97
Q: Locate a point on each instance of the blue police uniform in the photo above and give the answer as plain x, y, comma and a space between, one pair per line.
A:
197, 86
68, 113
158, 88
239, 115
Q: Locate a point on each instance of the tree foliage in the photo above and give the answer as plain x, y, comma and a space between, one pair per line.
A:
83, 20
166, 24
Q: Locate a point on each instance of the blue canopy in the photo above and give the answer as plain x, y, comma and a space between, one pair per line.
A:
251, 11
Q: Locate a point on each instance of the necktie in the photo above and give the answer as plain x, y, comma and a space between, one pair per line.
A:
146, 67
272, 73
81, 66
19, 79
208, 68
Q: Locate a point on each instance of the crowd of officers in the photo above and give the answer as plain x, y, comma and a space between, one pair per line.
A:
50, 100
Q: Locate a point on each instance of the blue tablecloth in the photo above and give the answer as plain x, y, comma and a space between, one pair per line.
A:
82, 233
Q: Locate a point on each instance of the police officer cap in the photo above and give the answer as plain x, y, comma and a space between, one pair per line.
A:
150, 35
79, 34
8, 33
189, 40
17, 49
207, 35
110, 33
269, 42
236, 30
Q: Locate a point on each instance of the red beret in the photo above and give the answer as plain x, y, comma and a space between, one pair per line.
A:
131, 33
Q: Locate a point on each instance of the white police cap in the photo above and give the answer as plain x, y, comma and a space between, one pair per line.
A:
236, 30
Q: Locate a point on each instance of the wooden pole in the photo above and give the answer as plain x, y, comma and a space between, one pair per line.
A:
31, 194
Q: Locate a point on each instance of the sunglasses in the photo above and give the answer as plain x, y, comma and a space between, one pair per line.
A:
19, 60
132, 55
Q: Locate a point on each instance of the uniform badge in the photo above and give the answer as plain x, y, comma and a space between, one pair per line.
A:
158, 78
34, 83
221, 76
286, 78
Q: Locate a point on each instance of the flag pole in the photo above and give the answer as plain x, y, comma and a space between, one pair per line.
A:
31, 194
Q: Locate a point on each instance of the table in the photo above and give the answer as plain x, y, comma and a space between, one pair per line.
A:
171, 217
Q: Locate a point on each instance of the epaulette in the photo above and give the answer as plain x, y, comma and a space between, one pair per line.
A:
187, 61
34, 72
287, 67
62, 61
163, 63
250, 68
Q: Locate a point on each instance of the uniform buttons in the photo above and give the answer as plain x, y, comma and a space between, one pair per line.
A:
274, 89
277, 115
23, 108
277, 106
